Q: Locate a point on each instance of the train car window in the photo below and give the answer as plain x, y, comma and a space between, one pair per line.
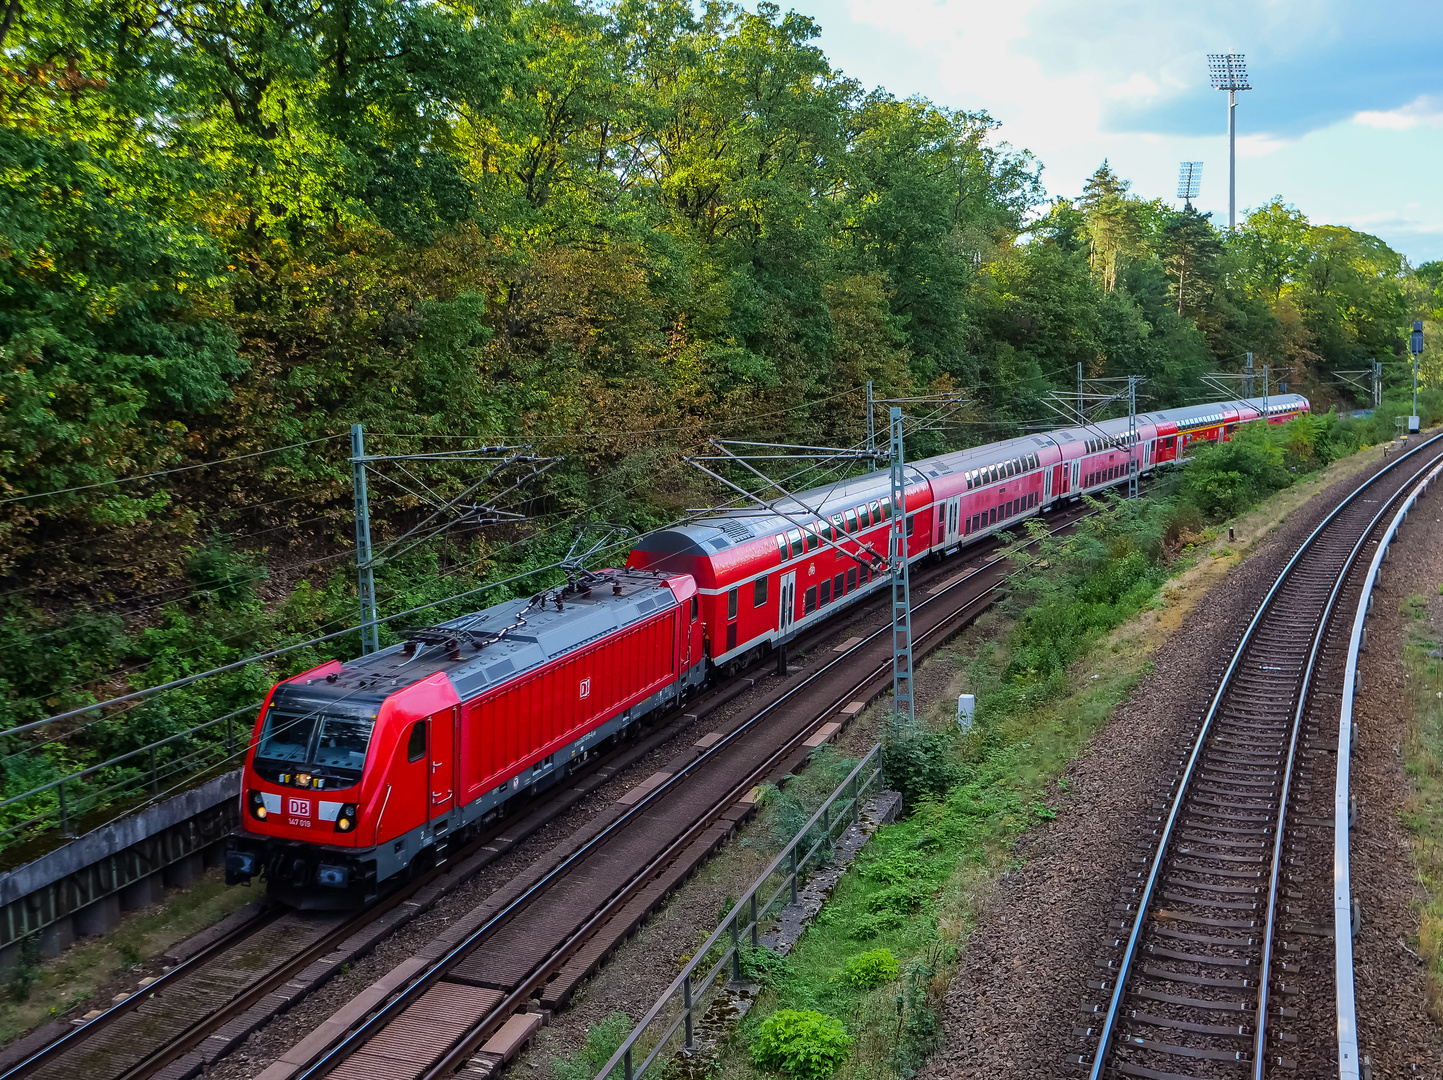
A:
876, 513
851, 579
416, 745
782, 547
759, 592
839, 526
837, 585
826, 594
731, 636
911, 523
731, 603
851, 521
795, 539
968, 478
695, 609
809, 601
992, 516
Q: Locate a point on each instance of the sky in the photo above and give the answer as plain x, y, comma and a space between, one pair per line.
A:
1345, 120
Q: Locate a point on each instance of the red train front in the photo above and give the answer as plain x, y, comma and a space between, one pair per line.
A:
360, 771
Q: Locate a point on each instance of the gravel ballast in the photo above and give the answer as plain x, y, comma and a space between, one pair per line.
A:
1021, 986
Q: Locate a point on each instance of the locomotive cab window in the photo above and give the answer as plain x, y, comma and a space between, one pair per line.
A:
759, 592
731, 604
911, 523
416, 745
333, 746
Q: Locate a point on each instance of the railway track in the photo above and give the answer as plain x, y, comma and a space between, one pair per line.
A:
259, 968
545, 941
1223, 968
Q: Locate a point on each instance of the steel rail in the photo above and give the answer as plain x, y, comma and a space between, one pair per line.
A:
78, 1035
1165, 838
396, 1005
1269, 925
1349, 1063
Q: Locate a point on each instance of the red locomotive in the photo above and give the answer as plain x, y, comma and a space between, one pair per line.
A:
362, 770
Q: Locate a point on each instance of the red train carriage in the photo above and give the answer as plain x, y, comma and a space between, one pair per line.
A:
360, 769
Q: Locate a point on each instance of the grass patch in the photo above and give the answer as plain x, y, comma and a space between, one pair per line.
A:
1423, 810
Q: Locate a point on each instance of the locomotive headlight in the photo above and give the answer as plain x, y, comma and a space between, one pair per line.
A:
256, 803
346, 819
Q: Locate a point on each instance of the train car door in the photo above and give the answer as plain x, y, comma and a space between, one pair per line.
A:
1076, 473
443, 761
952, 510
787, 603
1047, 486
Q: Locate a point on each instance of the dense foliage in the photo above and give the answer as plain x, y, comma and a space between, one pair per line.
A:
606, 231
804, 1044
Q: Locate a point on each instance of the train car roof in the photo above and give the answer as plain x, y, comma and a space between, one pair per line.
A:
717, 532
547, 633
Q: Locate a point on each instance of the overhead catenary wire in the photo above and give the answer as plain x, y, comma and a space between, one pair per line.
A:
166, 472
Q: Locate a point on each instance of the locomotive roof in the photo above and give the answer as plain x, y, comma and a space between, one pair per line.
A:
363, 683
717, 532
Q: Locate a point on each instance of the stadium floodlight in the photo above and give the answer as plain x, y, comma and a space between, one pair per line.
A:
1189, 179
1229, 72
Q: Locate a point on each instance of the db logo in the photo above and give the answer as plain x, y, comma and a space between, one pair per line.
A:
298, 807
586, 688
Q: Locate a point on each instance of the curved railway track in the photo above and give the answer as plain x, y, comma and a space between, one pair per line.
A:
222, 990
1217, 976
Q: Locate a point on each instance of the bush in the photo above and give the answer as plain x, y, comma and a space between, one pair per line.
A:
915, 762
803, 1043
870, 969
1224, 479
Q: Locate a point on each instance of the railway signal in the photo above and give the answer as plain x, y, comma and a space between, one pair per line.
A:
1415, 346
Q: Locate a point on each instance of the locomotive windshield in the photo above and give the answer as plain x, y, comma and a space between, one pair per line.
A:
329, 748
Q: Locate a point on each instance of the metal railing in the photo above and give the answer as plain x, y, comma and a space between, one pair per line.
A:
152, 772
688, 996
1349, 1065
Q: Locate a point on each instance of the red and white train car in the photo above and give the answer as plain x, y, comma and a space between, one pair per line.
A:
359, 770
764, 576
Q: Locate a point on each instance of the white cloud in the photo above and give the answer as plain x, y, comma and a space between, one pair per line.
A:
1125, 79
1422, 111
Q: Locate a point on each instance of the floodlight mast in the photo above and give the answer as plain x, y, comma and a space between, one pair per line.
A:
1229, 72
1189, 180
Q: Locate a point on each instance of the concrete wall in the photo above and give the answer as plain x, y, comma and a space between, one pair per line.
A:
84, 885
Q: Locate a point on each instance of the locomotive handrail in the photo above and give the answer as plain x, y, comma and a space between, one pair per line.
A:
1349, 1067
1165, 835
